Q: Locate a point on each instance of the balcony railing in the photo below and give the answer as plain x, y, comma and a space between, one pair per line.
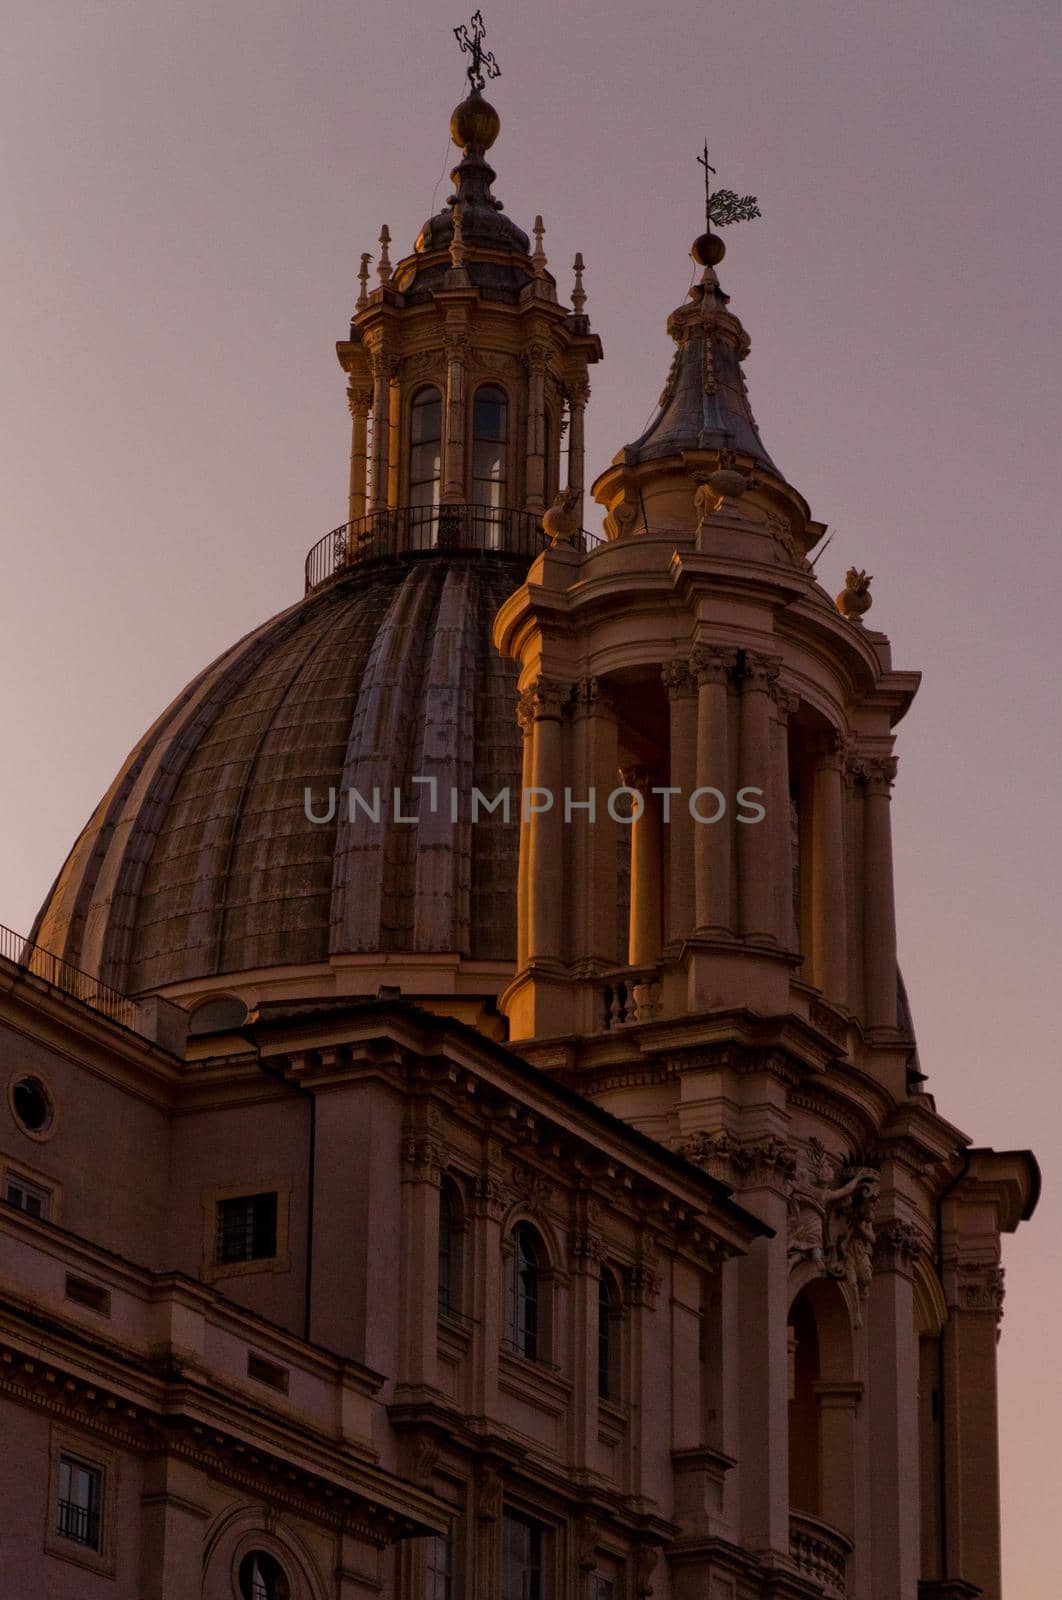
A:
427, 530
821, 1553
71, 980
79, 1523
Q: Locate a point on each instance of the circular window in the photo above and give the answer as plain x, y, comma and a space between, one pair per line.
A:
262, 1578
32, 1105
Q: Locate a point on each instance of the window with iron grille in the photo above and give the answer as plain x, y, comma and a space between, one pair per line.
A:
79, 1503
247, 1228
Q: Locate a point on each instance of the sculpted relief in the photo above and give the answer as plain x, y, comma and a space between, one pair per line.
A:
831, 1217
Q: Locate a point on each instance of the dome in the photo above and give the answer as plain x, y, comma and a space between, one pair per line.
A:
201, 859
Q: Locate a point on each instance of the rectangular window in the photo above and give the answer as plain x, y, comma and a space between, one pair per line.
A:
524, 1556
247, 1228
439, 1571
79, 1503
26, 1197
602, 1588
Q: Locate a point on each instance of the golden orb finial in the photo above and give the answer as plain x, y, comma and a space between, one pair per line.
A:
475, 124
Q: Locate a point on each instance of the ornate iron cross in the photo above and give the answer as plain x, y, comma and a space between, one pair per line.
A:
472, 43
723, 206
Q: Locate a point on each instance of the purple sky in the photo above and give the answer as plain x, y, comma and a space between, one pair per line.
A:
185, 191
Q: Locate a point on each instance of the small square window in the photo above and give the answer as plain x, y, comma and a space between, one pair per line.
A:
78, 1510
26, 1197
247, 1228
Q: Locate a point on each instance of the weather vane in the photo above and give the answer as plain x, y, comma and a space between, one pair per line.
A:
472, 43
723, 206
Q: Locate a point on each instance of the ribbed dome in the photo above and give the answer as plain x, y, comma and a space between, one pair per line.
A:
201, 859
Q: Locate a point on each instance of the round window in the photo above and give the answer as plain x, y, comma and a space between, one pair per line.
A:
262, 1578
32, 1105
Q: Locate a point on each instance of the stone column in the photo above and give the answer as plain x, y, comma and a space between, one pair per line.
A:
712, 841
974, 1291
585, 1250
838, 1407
879, 911
594, 763
578, 395
681, 688
545, 862
455, 428
381, 429
393, 441
526, 720
537, 360
488, 1300
759, 1366
644, 933
359, 396
755, 865
779, 819
828, 922
895, 1532
422, 1157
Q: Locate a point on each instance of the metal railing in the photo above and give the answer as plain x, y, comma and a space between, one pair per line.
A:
81, 1524
71, 980
425, 530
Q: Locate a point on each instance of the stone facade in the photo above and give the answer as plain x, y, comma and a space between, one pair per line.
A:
545, 1203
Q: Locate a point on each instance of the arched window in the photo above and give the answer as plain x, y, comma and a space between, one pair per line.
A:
525, 1322
490, 447
425, 448
609, 1335
262, 1578
449, 1240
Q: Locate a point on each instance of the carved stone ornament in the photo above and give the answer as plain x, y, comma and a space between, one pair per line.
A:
855, 598
897, 1246
678, 679
622, 517
831, 1218
423, 1157
489, 1492
768, 1162
587, 1538
491, 1195
560, 521
425, 1453
646, 1557
982, 1288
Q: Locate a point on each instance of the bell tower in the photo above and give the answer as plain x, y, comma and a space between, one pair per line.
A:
692, 661
467, 379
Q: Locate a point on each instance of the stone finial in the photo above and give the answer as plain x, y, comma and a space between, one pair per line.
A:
855, 598
560, 521
383, 266
363, 282
538, 255
578, 292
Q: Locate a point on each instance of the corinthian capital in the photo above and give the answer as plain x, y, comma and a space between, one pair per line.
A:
760, 672
678, 679
712, 663
545, 698
876, 773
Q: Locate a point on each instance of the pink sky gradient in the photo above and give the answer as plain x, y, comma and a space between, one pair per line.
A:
185, 194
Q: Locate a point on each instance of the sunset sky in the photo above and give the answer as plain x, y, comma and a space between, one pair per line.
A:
185, 193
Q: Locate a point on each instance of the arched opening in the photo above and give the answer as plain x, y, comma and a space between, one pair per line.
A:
823, 1403
490, 462
526, 1314
425, 462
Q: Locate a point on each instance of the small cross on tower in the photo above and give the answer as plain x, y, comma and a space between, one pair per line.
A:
472, 43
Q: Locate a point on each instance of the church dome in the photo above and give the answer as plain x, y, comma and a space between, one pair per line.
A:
201, 859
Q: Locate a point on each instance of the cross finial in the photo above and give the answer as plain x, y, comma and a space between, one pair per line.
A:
472, 43
723, 206
709, 174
